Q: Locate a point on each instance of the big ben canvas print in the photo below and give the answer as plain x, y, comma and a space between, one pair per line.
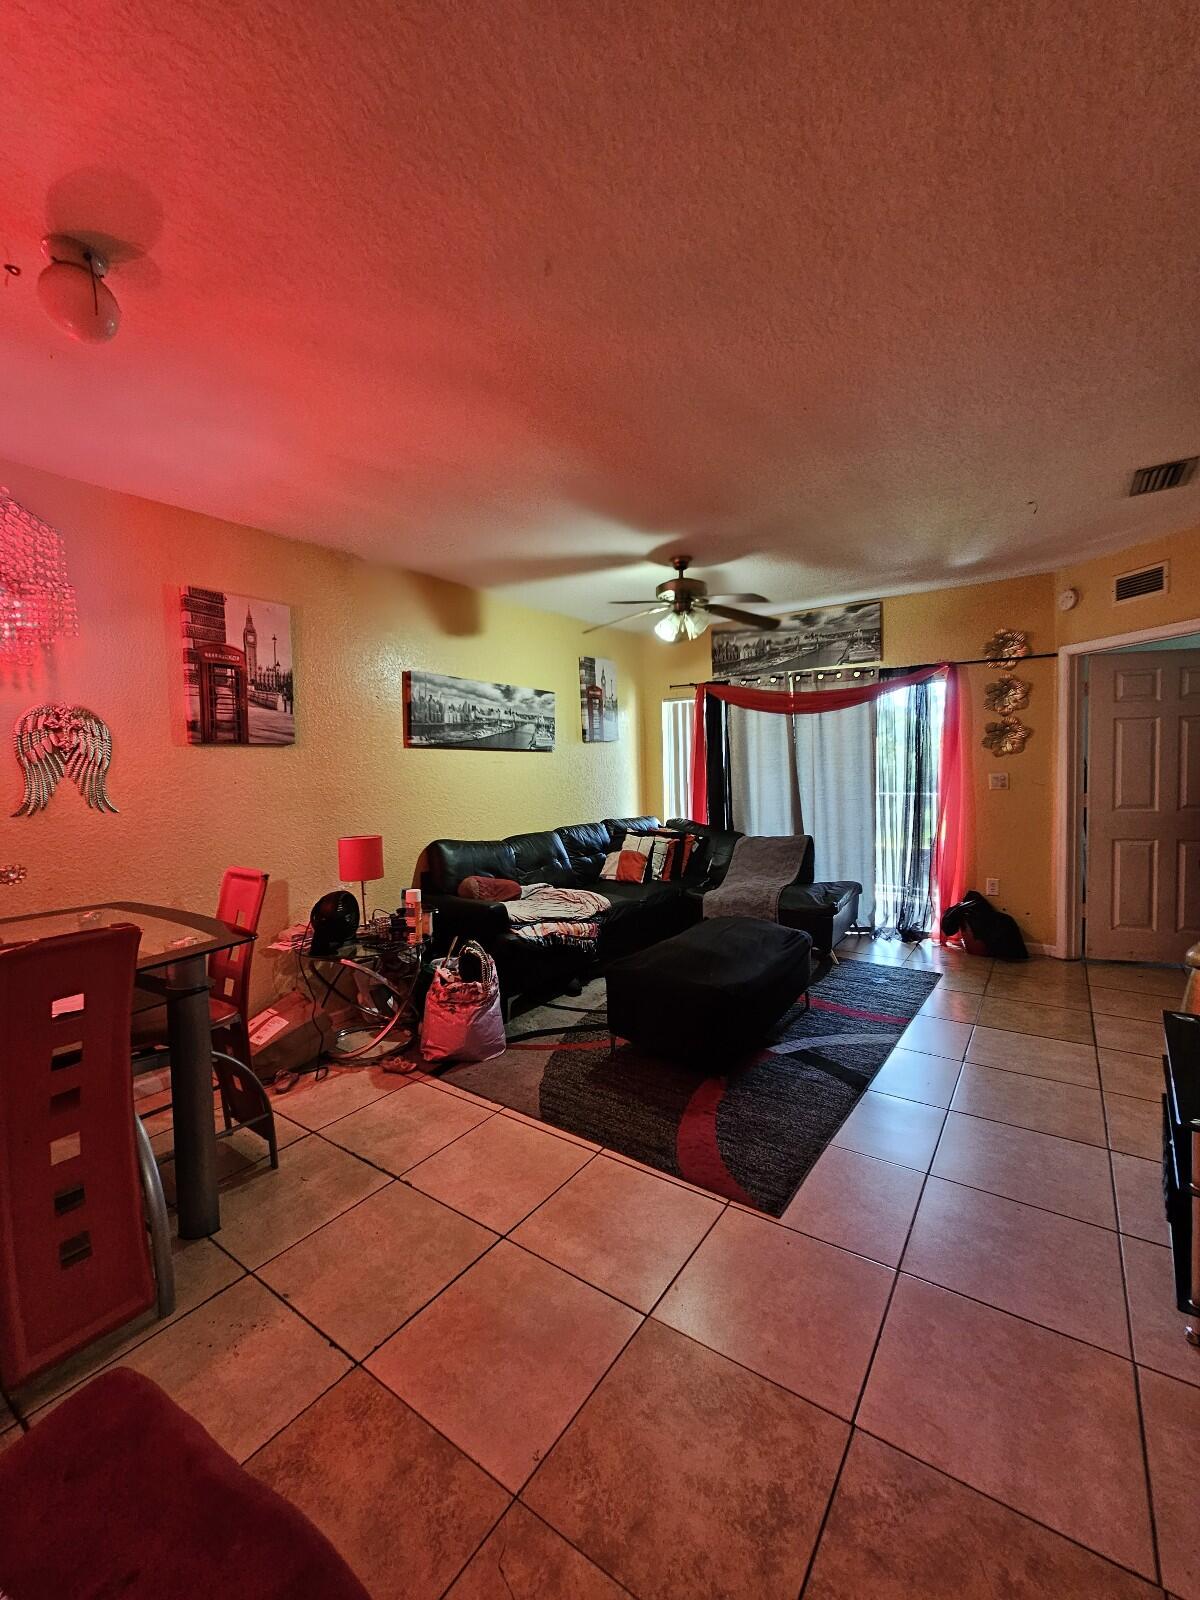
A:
237, 662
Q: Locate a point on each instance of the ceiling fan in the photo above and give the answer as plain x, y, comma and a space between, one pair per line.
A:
685, 608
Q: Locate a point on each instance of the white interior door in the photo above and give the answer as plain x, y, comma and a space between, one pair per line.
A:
1143, 805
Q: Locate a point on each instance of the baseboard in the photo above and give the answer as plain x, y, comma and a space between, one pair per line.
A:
1044, 950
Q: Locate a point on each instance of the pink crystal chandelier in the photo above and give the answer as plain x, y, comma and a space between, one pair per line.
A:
37, 602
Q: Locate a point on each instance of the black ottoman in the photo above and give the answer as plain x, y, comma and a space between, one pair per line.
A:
712, 992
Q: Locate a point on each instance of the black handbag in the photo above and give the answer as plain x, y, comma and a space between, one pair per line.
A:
978, 921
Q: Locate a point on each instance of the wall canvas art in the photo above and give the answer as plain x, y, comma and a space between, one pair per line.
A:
462, 714
832, 636
598, 699
237, 657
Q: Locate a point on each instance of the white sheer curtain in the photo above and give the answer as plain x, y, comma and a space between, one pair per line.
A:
810, 774
835, 767
677, 757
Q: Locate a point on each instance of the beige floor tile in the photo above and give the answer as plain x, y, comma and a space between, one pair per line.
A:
688, 1478
1140, 1198
236, 1155
857, 1202
503, 1358
795, 1310
1166, 981
1172, 1416
1139, 1076
1053, 1270
914, 1076
363, 1274
1060, 1174
266, 1211
620, 1229
954, 1005
898, 1530
499, 1171
1043, 1423
880, 952
407, 1128
524, 1559
957, 980
1158, 1339
948, 959
1043, 1021
934, 1036
403, 1507
1064, 1109
1129, 1003
1039, 989
1134, 1126
242, 1364
545, 1127
315, 1103
1059, 1059
1137, 1038
903, 1131
201, 1271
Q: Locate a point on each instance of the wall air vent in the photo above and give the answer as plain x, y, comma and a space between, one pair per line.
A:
1167, 475
1136, 585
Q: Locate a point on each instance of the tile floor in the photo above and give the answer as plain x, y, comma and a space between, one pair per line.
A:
496, 1362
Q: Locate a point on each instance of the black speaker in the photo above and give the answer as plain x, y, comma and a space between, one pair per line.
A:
334, 923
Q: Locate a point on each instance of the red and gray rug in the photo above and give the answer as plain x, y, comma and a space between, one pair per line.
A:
749, 1134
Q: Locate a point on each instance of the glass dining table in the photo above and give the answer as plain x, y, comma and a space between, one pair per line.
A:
172, 967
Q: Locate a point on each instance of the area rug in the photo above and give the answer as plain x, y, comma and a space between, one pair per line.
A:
749, 1134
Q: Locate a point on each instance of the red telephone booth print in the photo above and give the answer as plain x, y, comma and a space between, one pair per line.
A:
224, 694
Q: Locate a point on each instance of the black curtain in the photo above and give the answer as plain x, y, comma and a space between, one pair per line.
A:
716, 738
907, 774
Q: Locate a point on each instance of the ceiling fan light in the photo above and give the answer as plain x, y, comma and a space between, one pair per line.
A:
670, 629
73, 294
694, 623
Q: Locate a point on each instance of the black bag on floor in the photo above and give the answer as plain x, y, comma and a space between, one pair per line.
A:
984, 930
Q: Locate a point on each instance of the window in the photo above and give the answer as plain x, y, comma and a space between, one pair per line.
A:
907, 752
677, 757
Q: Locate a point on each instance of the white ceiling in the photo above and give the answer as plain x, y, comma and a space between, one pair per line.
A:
845, 298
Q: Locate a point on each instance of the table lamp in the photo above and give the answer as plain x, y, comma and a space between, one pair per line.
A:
360, 860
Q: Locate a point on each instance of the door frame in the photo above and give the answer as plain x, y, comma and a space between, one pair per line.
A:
1068, 776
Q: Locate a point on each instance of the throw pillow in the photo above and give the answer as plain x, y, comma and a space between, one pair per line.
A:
630, 861
480, 888
670, 855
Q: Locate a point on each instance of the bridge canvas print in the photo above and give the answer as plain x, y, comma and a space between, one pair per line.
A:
463, 714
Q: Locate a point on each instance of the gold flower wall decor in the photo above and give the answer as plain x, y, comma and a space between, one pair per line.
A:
1006, 695
1007, 645
1006, 738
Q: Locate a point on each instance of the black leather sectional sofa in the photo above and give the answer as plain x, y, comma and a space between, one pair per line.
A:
641, 914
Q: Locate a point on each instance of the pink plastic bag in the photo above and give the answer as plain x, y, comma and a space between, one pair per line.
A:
463, 1021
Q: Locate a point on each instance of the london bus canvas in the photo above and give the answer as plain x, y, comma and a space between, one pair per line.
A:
463, 714
237, 658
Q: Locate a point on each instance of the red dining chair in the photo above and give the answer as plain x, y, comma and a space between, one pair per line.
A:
245, 1103
78, 1183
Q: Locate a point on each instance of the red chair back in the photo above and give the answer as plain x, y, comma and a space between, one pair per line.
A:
74, 1261
240, 903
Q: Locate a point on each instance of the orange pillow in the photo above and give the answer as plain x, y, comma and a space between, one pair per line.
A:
631, 866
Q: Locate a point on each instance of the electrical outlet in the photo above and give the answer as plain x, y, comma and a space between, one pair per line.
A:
991, 886
997, 780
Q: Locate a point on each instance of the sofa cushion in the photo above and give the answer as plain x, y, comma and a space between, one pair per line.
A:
708, 866
621, 825
541, 858
449, 861
587, 844
810, 896
484, 888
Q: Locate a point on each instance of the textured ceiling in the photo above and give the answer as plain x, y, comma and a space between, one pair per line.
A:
846, 297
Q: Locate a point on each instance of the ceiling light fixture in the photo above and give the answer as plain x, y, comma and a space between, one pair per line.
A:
677, 626
72, 291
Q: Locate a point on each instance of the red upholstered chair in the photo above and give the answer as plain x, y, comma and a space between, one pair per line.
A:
118, 1491
74, 1261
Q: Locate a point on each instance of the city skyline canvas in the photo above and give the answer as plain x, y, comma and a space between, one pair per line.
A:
239, 681
826, 637
598, 700
469, 714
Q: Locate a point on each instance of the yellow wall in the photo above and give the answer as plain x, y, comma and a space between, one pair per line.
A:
1096, 617
186, 812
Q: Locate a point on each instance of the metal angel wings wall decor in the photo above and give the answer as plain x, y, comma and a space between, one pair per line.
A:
54, 740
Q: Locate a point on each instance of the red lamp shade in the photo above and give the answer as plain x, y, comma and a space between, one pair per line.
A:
360, 858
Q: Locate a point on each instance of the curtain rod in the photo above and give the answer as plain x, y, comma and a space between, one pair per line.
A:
976, 661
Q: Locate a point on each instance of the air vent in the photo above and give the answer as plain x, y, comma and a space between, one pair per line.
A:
1167, 475
1135, 585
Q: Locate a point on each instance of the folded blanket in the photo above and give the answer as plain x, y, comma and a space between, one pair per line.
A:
543, 902
759, 872
582, 934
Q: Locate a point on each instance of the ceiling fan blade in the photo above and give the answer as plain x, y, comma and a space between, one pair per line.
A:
749, 619
643, 602
754, 599
649, 612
